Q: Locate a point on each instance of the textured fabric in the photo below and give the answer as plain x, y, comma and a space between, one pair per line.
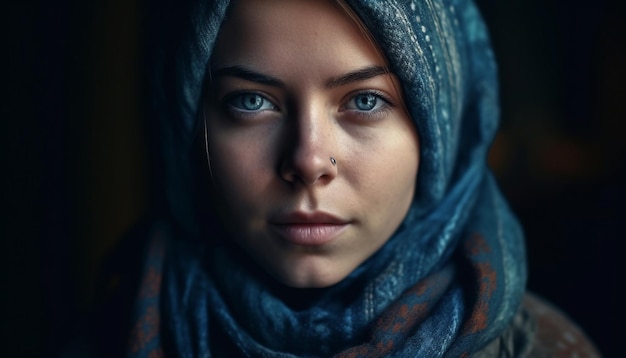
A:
448, 282
538, 329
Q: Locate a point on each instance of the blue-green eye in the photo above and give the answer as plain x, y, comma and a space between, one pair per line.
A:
250, 102
366, 102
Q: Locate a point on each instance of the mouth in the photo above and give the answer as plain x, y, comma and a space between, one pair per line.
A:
309, 229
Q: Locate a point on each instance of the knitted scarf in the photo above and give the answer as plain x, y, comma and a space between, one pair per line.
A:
448, 281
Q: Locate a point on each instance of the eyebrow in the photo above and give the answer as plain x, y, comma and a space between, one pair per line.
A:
357, 76
253, 76
248, 75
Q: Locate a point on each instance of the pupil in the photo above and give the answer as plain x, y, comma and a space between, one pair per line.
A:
366, 102
253, 102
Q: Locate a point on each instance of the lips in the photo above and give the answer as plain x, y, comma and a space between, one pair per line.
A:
309, 229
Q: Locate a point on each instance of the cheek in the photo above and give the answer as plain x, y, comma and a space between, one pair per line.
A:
240, 172
392, 165
392, 174
238, 154
398, 188
234, 166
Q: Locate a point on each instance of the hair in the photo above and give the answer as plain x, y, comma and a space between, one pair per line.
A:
365, 31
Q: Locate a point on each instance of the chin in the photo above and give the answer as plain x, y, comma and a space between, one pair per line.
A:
319, 275
310, 282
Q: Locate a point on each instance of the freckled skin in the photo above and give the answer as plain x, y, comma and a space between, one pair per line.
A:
275, 159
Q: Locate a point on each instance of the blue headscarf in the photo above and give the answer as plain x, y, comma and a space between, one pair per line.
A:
448, 282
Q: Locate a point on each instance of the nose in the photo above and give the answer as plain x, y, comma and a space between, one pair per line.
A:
308, 156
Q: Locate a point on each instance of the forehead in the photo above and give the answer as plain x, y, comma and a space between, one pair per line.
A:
273, 34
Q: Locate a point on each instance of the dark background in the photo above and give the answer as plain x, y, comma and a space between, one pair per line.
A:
75, 171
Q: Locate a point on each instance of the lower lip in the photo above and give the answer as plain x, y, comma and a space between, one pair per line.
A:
310, 234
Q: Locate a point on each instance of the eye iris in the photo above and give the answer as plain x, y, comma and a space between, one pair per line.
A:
366, 102
252, 102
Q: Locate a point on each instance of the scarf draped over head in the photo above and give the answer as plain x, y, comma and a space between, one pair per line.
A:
449, 280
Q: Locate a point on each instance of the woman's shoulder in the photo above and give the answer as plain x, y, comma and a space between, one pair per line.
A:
556, 334
538, 330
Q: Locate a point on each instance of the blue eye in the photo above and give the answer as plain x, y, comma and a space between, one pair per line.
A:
366, 102
250, 102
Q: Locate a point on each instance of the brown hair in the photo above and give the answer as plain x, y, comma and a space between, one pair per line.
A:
365, 31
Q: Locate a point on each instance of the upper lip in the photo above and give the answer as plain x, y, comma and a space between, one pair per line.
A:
303, 218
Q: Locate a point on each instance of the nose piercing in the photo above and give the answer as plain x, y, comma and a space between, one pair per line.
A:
333, 161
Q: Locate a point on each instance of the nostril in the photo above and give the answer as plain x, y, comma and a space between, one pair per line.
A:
309, 169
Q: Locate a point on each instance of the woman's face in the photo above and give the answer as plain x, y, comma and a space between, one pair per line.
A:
313, 155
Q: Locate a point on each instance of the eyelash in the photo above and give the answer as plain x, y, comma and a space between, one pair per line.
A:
374, 113
238, 96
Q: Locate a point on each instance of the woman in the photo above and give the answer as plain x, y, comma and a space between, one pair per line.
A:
327, 189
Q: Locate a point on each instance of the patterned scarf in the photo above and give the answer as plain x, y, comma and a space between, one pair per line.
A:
448, 282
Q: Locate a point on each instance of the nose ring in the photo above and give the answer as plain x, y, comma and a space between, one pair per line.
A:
333, 161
